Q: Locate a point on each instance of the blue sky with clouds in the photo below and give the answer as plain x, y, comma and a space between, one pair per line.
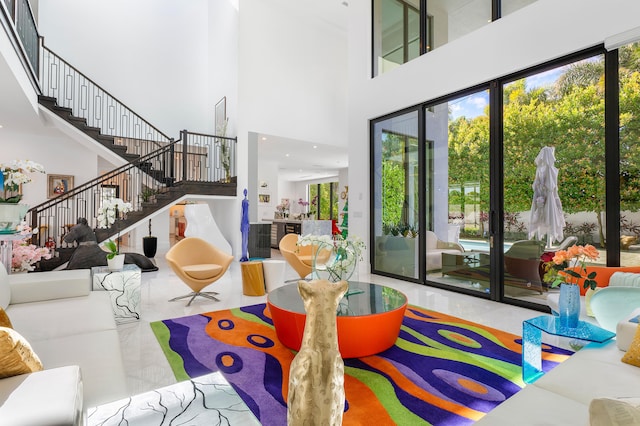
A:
474, 105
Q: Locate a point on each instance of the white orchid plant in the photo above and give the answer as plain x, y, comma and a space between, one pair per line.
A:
110, 210
14, 174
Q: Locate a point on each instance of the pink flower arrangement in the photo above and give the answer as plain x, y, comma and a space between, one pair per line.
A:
25, 255
568, 266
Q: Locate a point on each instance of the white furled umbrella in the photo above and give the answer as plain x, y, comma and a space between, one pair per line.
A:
546, 209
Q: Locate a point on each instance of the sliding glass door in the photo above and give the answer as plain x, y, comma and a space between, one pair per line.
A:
494, 180
395, 186
457, 191
554, 169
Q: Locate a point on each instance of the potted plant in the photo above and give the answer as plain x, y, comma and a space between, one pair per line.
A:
225, 154
149, 244
115, 260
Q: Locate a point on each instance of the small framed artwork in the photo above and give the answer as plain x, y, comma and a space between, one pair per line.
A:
264, 198
220, 116
58, 185
110, 192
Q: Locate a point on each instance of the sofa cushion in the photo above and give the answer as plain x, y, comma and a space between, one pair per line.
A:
624, 279
16, 355
46, 398
99, 357
614, 411
626, 330
63, 317
633, 353
202, 271
597, 364
4, 319
535, 406
39, 286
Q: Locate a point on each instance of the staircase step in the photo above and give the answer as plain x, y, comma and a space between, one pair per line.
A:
157, 174
47, 100
130, 157
106, 139
145, 166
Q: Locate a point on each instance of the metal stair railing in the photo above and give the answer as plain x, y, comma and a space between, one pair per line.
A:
222, 151
140, 182
72, 89
17, 17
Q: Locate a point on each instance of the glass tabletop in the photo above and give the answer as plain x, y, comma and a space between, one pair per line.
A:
361, 299
584, 331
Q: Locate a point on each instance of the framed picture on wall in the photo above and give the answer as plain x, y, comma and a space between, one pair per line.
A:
264, 198
220, 116
58, 185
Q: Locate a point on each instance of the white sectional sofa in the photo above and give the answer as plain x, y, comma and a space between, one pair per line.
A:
73, 332
562, 396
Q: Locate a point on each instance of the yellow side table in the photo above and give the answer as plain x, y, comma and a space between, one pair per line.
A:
252, 278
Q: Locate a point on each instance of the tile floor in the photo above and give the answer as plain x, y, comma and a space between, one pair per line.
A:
147, 367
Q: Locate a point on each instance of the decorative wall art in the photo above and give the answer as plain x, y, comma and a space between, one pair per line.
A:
58, 185
220, 115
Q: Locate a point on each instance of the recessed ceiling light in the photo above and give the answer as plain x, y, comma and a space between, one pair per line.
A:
315, 146
264, 138
0, 126
286, 155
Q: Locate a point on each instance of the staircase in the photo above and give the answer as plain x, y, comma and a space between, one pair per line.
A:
158, 170
81, 123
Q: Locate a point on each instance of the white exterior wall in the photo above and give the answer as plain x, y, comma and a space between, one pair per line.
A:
535, 34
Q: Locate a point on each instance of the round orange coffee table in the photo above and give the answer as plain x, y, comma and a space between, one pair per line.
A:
369, 318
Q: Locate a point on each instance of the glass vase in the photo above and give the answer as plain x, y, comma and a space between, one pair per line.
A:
569, 305
10, 216
335, 262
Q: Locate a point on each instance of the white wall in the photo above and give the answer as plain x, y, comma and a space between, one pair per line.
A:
55, 152
292, 74
542, 31
223, 61
150, 54
268, 173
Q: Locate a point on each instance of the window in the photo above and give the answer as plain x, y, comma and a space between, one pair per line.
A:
323, 200
398, 41
629, 82
477, 167
396, 195
402, 31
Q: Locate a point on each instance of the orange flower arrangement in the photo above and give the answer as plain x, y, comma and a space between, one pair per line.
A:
568, 266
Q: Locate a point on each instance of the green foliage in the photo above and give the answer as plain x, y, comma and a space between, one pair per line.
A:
568, 115
112, 248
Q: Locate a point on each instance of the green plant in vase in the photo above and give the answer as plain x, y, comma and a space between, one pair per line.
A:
112, 249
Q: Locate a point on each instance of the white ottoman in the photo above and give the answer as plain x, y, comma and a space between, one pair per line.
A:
273, 274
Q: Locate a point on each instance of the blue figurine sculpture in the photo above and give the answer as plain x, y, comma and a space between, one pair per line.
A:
244, 228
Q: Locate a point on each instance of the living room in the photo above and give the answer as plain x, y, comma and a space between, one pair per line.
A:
322, 94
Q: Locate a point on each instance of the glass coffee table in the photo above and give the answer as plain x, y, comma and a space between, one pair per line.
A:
369, 317
532, 330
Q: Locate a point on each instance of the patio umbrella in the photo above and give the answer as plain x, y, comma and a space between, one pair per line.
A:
546, 209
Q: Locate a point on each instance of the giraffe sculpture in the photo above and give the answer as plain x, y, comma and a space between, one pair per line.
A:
316, 375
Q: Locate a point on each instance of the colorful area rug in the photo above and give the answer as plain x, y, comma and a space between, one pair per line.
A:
442, 370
